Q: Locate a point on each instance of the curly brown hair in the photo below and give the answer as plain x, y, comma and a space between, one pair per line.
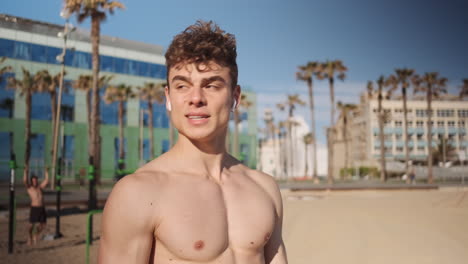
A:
201, 43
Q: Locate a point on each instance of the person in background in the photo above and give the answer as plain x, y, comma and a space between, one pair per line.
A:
37, 213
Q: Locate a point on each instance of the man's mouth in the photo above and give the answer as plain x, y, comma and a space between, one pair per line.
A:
197, 117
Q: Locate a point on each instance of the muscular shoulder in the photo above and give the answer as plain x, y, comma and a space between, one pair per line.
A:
135, 198
269, 185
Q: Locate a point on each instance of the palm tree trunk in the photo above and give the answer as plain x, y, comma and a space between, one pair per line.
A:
88, 107
27, 133
235, 144
405, 118
380, 119
345, 138
121, 130
94, 146
312, 120
150, 125
331, 132
429, 134
306, 167
53, 110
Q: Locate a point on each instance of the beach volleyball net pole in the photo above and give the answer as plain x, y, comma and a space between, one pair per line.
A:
89, 231
12, 207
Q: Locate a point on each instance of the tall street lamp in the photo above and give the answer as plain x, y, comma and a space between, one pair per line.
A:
68, 28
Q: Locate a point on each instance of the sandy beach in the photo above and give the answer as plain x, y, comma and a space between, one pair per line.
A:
349, 227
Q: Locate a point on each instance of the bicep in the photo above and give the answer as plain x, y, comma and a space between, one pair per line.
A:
127, 234
274, 251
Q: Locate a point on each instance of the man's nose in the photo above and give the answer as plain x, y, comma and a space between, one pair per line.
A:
197, 97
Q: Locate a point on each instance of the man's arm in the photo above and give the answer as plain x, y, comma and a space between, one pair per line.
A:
128, 223
274, 251
25, 180
46, 179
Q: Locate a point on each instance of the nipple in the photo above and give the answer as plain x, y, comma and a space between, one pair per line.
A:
199, 245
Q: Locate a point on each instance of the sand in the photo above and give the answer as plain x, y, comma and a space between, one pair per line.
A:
349, 227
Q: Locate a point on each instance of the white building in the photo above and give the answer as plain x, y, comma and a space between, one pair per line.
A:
449, 119
285, 157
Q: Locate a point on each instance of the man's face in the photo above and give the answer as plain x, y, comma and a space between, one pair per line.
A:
34, 181
201, 99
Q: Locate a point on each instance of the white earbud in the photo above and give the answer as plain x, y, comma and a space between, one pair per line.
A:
234, 105
168, 105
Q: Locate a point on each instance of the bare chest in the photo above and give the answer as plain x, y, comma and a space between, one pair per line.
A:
202, 222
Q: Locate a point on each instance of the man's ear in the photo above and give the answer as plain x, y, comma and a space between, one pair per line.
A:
168, 101
236, 96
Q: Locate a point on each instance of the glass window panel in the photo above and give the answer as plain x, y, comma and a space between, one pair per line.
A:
107, 63
52, 54
119, 65
143, 69
6, 47
22, 50
153, 70
39, 53
82, 60
40, 107
132, 67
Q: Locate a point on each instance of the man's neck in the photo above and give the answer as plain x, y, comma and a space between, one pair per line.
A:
204, 158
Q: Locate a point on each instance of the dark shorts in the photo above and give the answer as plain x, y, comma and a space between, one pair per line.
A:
37, 214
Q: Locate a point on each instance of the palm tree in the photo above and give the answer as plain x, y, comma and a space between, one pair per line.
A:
27, 86
331, 70
7, 103
433, 86
464, 88
308, 139
346, 110
49, 83
244, 104
3, 69
120, 93
84, 83
152, 93
306, 74
290, 105
283, 158
380, 119
97, 11
402, 77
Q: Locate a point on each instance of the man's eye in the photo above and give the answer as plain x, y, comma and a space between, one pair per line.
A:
212, 86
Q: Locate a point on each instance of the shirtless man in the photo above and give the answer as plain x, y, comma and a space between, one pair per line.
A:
37, 213
196, 203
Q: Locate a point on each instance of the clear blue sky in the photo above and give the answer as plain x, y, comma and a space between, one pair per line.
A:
274, 37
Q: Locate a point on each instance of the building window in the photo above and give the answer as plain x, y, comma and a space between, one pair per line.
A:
419, 136
463, 113
398, 123
451, 123
421, 112
445, 113
398, 137
409, 123
399, 149
419, 123
421, 148
440, 123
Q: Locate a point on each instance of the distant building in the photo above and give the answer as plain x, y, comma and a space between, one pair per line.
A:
284, 157
450, 117
35, 46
